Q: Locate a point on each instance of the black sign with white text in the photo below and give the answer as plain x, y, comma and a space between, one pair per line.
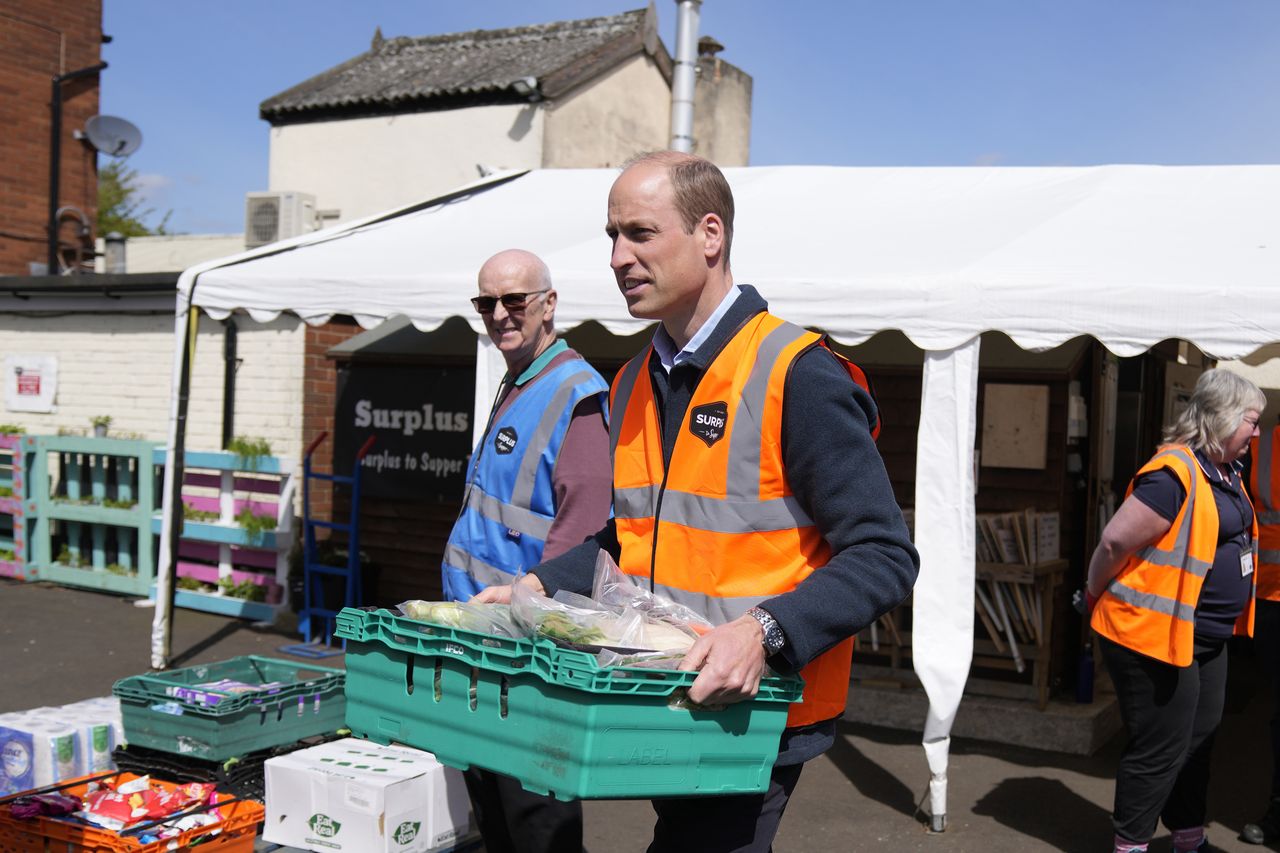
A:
421, 419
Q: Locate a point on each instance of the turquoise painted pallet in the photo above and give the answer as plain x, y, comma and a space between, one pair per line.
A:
13, 518
70, 480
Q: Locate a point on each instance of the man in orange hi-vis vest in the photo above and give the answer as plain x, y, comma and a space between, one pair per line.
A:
1264, 486
746, 485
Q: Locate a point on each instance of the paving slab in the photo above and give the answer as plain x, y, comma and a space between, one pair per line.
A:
60, 645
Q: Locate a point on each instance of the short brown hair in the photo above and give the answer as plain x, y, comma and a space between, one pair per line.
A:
699, 188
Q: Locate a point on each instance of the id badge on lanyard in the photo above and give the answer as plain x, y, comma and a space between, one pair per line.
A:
1246, 562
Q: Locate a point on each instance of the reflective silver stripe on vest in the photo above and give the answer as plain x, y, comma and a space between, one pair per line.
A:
717, 610
1151, 601
476, 568
1271, 558
509, 516
714, 514
1269, 517
526, 479
1179, 557
1264, 478
622, 396
743, 477
639, 502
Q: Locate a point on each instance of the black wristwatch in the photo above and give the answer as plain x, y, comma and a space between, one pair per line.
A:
774, 639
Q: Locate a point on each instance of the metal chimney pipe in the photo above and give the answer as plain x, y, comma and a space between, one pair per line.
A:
686, 75
114, 260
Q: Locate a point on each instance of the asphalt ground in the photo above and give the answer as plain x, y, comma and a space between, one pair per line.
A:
60, 645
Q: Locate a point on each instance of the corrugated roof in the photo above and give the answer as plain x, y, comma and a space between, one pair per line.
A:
440, 70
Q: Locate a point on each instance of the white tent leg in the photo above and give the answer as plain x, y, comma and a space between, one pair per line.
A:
490, 368
162, 621
942, 623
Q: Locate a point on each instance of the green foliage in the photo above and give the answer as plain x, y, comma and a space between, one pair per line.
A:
123, 503
12, 429
8, 555
191, 513
249, 450
248, 590
120, 205
194, 584
6, 492
100, 420
75, 561
254, 525
117, 569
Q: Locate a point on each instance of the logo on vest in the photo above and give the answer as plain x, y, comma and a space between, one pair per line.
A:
708, 422
505, 441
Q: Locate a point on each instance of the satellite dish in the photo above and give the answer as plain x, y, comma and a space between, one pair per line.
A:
113, 136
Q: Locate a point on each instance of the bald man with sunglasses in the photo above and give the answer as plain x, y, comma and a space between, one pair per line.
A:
538, 484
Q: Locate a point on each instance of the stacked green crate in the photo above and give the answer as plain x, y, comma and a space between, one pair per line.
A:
552, 717
230, 708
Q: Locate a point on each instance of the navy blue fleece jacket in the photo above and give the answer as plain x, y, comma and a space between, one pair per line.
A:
836, 473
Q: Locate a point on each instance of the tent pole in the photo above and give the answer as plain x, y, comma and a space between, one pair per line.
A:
171, 531
942, 604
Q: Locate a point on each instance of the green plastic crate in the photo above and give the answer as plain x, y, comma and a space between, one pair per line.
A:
551, 717
170, 712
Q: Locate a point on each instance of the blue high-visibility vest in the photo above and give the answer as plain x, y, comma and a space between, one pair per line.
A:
510, 503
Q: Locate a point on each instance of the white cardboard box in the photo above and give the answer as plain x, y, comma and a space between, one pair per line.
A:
356, 796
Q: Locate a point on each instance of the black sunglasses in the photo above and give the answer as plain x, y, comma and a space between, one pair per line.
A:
510, 301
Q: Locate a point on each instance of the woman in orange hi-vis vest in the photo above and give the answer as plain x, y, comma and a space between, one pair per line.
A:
1171, 581
1264, 487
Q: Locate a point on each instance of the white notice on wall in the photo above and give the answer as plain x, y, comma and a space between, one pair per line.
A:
30, 382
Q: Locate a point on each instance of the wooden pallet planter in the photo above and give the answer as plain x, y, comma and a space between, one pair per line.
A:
90, 501
217, 551
13, 519
1029, 592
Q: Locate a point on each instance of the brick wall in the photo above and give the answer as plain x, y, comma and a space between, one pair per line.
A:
320, 394
40, 39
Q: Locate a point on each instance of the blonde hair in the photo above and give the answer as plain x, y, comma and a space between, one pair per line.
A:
1216, 408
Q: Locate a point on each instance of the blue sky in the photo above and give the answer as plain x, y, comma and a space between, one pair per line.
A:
840, 82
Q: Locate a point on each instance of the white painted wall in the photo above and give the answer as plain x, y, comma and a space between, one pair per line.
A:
121, 365
366, 165
172, 252
603, 123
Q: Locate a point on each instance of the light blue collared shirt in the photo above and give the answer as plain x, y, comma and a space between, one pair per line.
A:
665, 347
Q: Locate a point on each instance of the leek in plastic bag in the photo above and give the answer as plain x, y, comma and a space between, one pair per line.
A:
468, 615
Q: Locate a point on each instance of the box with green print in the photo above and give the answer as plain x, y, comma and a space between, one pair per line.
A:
353, 795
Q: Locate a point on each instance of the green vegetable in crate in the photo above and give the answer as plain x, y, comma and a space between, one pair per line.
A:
558, 626
447, 613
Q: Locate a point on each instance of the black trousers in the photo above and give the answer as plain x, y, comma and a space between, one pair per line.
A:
1266, 639
740, 823
513, 820
1172, 714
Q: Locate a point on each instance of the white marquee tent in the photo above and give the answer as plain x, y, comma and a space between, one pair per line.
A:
1131, 255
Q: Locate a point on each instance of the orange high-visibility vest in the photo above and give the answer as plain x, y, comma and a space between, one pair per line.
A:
1150, 605
721, 530
1264, 484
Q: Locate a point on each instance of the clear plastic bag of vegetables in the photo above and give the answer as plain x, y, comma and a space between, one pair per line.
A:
614, 588
581, 622
492, 619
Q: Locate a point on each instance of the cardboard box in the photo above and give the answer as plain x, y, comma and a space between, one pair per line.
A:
354, 795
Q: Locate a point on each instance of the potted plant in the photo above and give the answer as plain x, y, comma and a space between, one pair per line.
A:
100, 424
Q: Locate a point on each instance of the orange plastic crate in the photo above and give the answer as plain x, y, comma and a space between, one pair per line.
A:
52, 835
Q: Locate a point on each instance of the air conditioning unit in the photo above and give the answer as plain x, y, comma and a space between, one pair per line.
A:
273, 216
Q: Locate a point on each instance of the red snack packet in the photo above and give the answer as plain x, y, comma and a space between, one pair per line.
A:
185, 796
